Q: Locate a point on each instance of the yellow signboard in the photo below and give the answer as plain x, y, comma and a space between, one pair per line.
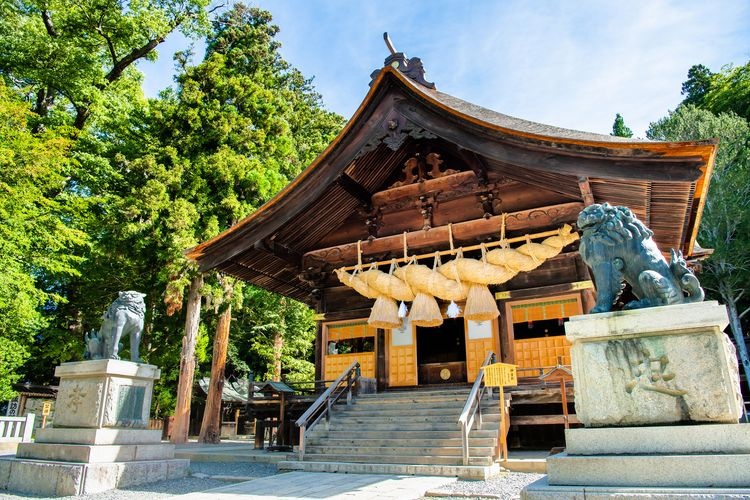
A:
500, 375
46, 408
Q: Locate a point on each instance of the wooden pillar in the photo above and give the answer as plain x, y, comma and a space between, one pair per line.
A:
320, 350
381, 372
211, 426
505, 324
181, 424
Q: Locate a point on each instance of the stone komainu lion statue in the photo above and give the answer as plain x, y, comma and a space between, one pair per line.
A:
124, 317
617, 246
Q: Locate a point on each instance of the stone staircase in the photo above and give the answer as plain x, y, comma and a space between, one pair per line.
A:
412, 432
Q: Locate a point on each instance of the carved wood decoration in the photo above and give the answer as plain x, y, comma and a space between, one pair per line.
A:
418, 169
393, 132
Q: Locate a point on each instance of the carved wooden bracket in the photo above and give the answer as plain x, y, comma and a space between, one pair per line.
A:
426, 206
393, 132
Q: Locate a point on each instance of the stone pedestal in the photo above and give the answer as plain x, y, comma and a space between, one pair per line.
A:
654, 366
635, 371
100, 440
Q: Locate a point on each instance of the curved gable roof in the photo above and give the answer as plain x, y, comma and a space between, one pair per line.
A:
396, 106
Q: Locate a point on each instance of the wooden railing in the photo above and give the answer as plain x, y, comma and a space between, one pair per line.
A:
472, 407
346, 384
16, 429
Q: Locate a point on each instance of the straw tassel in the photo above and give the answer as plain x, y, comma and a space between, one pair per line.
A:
480, 304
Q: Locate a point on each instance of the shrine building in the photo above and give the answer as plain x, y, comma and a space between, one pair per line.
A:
416, 167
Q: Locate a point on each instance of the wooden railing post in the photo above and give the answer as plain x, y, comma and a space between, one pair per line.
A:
302, 441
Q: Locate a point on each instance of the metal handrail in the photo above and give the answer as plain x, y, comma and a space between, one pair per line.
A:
322, 406
473, 404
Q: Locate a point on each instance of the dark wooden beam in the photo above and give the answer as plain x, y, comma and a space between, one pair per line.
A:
292, 258
355, 189
525, 220
586, 194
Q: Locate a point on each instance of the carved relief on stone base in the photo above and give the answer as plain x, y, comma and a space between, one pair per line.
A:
652, 366
105, 393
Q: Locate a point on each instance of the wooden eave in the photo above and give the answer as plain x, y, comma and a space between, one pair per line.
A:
264, 247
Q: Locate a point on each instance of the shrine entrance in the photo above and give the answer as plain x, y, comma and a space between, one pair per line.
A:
441, 353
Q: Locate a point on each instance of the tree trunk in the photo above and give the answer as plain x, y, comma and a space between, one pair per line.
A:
278, 345
739, 338
181, 425
211, 425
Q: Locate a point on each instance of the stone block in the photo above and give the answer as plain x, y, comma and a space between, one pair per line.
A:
104, 393
542, 490
64, 479
45, 479
95, 453
654, 366
666, 471
100, 477
675, 439
4, 473
177, 468
134, 473
98, 436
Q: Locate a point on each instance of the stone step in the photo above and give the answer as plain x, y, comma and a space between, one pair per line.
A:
478, 473
407, 411
422, 393
455, 433
401, 403
396, 426
396, 459
425, 450
398, 441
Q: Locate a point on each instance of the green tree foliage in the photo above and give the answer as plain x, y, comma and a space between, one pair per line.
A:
38, 243
619, 128
725, 226
728, 90
71, 53
697, 85
267, 318
153, 178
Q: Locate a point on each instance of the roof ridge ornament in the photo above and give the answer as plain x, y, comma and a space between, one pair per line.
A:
412, 68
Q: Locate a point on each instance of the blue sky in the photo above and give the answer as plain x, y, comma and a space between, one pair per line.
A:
570, 64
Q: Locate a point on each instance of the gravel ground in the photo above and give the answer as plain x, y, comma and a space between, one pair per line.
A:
200, 481
506, 486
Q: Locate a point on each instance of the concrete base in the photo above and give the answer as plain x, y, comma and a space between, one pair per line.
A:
671, 440
664, 471
542, 490
102, 453
100, 441
65, 478
97, 436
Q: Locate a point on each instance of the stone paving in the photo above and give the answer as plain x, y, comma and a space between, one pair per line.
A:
294, 485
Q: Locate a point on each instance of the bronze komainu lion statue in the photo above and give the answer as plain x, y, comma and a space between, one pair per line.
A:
617, 246
124, 317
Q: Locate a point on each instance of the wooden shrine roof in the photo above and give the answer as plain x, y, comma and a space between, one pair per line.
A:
665, 183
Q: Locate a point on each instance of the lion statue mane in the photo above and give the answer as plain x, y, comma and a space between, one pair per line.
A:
618, 247
124, 317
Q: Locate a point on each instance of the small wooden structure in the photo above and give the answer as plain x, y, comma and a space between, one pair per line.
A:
411, 166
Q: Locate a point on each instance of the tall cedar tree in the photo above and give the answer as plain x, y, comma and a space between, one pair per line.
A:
236, 129
725, 225
619, 128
